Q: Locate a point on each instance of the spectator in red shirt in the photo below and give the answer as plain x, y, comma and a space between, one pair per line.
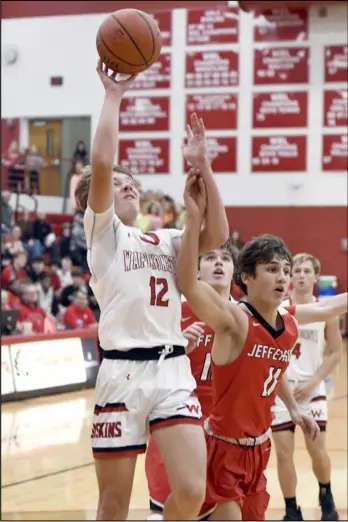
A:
79, 314
15, 270
29, 310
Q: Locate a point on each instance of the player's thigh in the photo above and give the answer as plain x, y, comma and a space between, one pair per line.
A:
255, 505
115, 479
281, 419
319, 410
284, 442
227, 511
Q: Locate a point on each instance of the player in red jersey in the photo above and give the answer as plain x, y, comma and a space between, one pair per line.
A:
251, 351
216, 269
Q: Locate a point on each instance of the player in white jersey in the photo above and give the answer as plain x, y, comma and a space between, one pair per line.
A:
144, 382
306, 374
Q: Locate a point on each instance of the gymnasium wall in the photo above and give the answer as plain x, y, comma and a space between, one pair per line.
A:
273, 96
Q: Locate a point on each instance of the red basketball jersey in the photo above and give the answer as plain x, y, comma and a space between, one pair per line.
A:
200, 359
244, 390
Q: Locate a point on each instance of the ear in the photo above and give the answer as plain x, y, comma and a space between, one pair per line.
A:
245, 278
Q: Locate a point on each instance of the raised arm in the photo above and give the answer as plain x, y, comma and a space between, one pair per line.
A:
322, 311
213, 310
105, 142
215, 230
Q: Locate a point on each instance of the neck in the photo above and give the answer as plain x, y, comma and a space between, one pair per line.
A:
224, 291
302, 297
268, 312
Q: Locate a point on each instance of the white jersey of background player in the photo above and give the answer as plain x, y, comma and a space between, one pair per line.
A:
144, 382
306, 374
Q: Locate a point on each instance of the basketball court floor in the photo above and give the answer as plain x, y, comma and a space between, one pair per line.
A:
48, 473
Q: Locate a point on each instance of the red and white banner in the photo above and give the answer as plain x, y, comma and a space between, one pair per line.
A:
335, 108
281, 65
144, 156
281, 24
158, 76
336, 63
164, 22
212, 25
222, 152
280, 109
218, 110
212, 69
279, 153
144, 114
335, 152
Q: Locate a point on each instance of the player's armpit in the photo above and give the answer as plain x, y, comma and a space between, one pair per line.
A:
214, 310
322, 311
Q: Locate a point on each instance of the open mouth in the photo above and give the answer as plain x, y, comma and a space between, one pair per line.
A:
129, 196
219, 271
279, 290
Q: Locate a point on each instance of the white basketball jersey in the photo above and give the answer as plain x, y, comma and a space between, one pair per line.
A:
307, 355
138, 298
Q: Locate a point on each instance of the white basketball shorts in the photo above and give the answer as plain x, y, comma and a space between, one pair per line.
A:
316, 406
133, 398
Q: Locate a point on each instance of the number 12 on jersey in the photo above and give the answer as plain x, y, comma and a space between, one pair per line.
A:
158, 289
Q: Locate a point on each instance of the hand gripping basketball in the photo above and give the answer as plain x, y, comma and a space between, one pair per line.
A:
110, 82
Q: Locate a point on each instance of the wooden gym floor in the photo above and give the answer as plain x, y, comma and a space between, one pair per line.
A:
48, 473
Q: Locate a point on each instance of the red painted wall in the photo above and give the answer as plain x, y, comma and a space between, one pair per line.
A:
25, 8
317, 230
9, 132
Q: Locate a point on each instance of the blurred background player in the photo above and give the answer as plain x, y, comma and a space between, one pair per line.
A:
134, 282
216, 269
306, 374
252, 349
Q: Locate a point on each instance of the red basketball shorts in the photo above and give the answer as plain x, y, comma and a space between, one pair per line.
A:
237, 473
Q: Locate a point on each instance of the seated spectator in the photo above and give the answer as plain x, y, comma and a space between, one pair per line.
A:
81, 153
15, 270
64, 273
78, 245
155, 216
14, 290
235, 239
33, 164
14, 242
37, 268
5, 305
47, 299
6, 256
64, 242
7, 220
29, 309
69, 292
74, 178
54, 267
42, 231
79, 314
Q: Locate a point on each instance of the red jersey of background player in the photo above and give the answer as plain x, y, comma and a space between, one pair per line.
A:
200, 359
244, 390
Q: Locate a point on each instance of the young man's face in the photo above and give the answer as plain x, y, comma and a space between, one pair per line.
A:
304, 277
216, 268
270, 282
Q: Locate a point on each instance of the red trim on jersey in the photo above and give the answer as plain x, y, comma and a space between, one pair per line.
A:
172, 421
113, 453
321, 424
319, 398
110, 408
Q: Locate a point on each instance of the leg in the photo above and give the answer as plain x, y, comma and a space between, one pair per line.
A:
115, 481
227, 511
175, 425
183, 450
255, 506
157, 481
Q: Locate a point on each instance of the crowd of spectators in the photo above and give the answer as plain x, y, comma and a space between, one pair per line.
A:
44, 275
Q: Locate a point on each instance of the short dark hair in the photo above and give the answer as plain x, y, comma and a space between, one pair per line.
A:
228, 245
260, 250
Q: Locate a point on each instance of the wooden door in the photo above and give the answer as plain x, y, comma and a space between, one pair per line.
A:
46, 135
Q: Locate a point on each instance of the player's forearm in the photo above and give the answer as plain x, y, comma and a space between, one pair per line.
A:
323, 310
188, 256
106, 137
286, 395
329, 363
215, 231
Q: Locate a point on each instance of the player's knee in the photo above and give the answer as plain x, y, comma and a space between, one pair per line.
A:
112, 506
190, 495
318, 453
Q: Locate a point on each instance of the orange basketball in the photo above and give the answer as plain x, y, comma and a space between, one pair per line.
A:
129, 41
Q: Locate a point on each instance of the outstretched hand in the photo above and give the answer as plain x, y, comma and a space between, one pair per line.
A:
109, 80
195, 195
195, 148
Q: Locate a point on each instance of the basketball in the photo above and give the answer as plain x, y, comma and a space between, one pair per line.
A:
129, 41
